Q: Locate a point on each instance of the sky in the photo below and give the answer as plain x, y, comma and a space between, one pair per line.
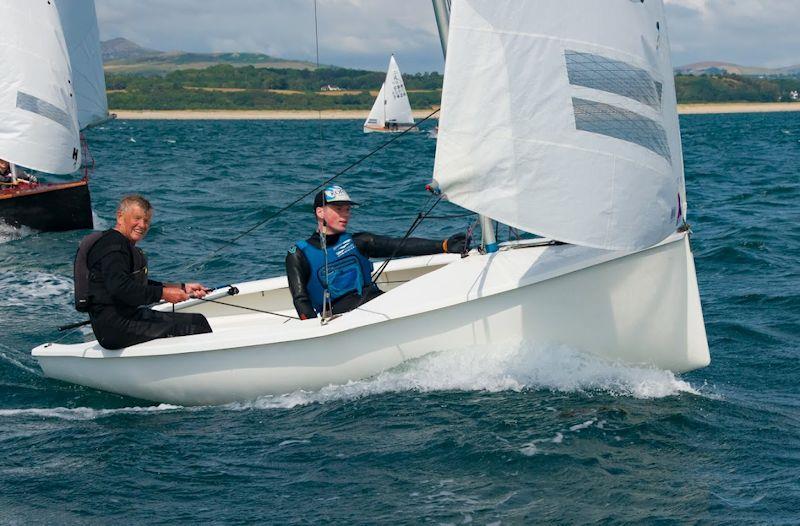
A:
363, 33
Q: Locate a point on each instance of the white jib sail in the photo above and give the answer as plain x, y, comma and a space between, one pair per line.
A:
559, 118
398, 109
79, 22
377, 115
38, 118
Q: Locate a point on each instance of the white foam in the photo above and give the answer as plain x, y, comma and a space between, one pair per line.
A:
98, 222
530, 449
13, 361
85, 413
495, 369
584, 425
12, 233
27, 288
292, 442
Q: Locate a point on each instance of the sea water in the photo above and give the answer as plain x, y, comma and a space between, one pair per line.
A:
486, 435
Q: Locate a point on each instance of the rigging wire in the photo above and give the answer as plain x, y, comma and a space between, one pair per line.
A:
316, 72
352, 165
327, 307
420, 217
326, 182
251, 309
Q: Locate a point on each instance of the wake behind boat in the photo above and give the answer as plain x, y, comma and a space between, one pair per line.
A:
590, 156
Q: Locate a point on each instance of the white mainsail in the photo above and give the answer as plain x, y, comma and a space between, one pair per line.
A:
391, 105
38, 117
398, 109
79, 22
560, 119
377, 115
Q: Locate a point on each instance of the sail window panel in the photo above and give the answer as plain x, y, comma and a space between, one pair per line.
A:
613, 76
41, 107
619, 123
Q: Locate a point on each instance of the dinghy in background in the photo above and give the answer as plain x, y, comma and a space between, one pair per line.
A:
52, 88
391, 111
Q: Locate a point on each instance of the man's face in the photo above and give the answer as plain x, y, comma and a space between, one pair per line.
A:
133, 222
3, 166
336, 216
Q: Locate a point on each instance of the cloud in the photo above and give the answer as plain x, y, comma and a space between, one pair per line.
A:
362, 33
354, 33
746, 32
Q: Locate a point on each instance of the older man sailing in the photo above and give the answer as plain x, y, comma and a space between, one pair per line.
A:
112, 284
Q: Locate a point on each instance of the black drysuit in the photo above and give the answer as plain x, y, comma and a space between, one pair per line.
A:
298, 270
118, 288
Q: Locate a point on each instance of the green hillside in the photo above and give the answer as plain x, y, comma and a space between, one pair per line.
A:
734, 88
228, 87
225, 86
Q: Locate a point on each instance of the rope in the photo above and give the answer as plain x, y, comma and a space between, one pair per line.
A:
312, 191
420, 217
454, 216
251, 309
316, 72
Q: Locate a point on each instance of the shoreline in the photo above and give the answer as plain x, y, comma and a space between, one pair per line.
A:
707, 108
250, 114
683, 109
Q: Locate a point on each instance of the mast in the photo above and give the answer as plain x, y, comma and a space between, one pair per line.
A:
441, 9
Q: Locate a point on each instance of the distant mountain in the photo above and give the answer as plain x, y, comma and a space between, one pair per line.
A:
121, 55
120, 49
726, 68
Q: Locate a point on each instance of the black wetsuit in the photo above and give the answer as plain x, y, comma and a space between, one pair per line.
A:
118, 287
298, 270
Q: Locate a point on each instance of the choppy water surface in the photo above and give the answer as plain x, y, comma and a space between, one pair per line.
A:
503, 435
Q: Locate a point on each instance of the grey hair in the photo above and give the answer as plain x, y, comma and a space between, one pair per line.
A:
134, 200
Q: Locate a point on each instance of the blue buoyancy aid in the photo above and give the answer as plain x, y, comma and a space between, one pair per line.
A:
348, 270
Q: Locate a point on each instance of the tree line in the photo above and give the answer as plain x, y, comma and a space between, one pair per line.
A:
298, 89
735, 88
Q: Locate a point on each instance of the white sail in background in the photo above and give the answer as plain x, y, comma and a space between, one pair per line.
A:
38, 117
398, 109
559, 118
79, 22
377, 115
391, 107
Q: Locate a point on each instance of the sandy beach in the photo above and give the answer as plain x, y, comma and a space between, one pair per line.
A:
684, 109
249, 114
738, 107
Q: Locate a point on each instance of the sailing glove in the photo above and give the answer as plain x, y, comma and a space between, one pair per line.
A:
456, 244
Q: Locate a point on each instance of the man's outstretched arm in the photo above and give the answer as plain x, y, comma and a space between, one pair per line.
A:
374, 246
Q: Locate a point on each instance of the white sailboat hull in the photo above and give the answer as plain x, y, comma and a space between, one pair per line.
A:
640, 308
391, 129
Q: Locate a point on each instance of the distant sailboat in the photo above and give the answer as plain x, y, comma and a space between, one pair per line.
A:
79, 23
391, 111
52, 87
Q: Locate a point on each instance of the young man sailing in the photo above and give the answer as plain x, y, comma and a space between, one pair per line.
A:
343, 263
